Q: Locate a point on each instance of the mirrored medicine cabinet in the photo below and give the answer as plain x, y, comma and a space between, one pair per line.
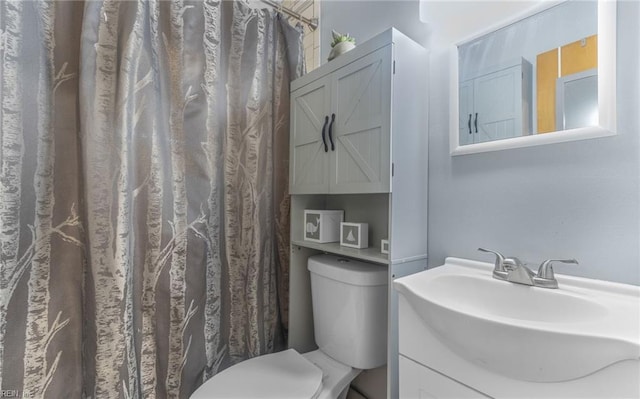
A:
545, 77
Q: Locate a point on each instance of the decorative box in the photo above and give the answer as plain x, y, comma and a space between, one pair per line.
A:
322, 225
384, 246
354, 235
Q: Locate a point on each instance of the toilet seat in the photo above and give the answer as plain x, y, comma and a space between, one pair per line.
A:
280, 375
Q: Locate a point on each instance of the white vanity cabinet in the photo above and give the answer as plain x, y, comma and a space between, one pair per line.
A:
496, 105
376, 170
419, 381
439, 360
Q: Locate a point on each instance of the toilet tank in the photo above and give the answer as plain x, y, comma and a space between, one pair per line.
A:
350, 310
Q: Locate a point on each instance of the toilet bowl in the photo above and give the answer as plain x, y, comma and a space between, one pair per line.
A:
350, 331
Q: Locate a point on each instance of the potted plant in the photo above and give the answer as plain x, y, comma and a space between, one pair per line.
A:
340, 44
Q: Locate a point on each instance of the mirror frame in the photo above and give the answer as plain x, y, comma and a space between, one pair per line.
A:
607, 44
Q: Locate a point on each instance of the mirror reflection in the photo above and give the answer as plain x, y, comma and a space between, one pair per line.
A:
536, 76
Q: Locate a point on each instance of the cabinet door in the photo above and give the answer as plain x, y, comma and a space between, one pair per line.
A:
361, 103
498, 102
466, 113
309, 163
419, 382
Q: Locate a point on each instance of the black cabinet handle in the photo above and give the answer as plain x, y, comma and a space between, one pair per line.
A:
333, 119
469, 124
324, 127
476, 122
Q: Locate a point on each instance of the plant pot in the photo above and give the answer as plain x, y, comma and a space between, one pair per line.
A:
340, 48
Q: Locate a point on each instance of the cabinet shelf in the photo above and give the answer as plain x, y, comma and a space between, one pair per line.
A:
371, 254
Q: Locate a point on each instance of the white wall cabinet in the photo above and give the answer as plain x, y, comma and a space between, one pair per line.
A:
496, 105
373, 99
340, 137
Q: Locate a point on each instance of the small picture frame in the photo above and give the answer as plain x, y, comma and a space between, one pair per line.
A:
384, 246
354, 235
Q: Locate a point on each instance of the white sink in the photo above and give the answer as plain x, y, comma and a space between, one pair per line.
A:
523, 332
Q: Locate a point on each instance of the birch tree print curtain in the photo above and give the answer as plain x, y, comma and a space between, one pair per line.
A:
143, 207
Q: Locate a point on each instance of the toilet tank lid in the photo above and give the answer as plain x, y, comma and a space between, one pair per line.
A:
349, 271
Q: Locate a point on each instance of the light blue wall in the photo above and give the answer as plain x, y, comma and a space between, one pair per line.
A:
364, 19
579, 199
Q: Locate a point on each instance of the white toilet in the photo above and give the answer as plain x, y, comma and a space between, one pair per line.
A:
350, 316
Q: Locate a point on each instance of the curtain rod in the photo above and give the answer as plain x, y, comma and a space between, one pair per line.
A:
313, 23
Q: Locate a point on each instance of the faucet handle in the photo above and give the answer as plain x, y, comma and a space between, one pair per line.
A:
545, 271
499, 264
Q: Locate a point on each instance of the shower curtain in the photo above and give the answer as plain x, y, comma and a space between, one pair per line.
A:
143, 193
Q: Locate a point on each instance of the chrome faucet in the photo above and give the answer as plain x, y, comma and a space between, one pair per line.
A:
510, 269
514, 270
